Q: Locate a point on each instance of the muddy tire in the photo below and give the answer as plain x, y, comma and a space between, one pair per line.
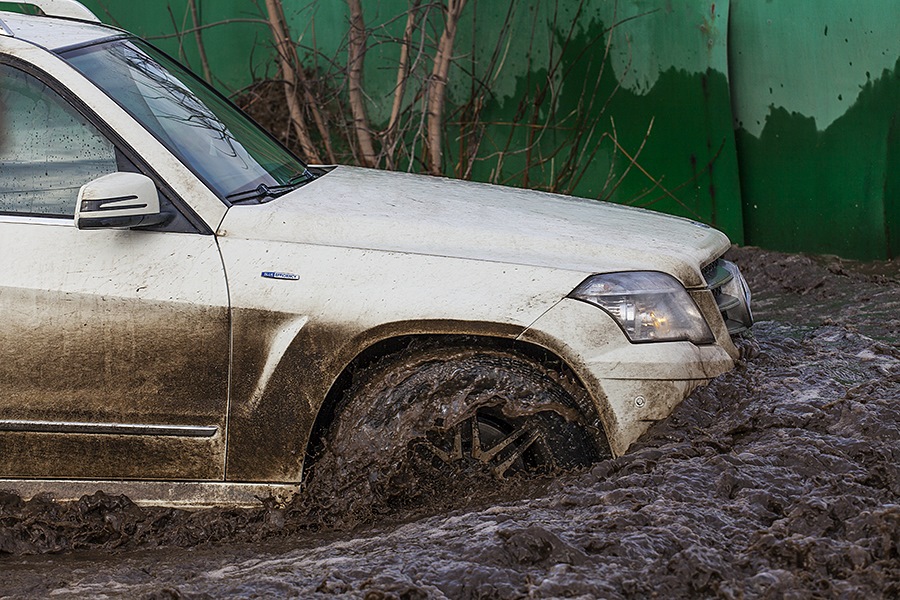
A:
425, 420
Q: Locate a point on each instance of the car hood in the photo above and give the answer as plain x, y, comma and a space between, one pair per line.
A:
380, 210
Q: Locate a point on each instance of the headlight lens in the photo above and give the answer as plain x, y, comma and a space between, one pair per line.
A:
648, 306
738, 316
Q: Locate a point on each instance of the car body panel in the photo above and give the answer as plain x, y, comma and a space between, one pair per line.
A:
54, 33
180, 494
633, 385
127, 334
364, 208
405, 255
294, 337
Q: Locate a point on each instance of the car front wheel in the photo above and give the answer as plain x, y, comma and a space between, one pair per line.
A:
428, 419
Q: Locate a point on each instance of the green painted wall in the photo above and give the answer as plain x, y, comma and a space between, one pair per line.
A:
234, 35
678, 84
776, 121
816, 88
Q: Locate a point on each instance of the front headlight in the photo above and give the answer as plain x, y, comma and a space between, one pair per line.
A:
648, 306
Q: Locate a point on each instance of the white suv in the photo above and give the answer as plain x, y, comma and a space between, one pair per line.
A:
189, 313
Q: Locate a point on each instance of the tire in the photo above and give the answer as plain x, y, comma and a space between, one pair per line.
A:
425, 420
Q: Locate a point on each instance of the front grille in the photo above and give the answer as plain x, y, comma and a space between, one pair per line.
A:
724, 280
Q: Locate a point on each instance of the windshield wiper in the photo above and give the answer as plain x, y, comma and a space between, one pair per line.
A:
260, 192
263, 191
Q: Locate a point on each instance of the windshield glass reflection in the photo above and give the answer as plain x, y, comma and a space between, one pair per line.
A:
223, 147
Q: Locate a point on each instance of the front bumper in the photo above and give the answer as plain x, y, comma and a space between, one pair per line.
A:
634, 385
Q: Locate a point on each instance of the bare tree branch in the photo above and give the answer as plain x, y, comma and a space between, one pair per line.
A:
390, 136
403, 66
356, 56
437, 85
312, 104
286, 54
179, 33
204, 61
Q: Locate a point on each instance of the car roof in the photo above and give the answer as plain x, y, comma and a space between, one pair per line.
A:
53, 33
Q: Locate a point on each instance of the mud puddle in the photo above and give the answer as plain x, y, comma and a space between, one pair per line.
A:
780, 479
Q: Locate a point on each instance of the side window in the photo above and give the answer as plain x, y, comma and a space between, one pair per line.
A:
47, 149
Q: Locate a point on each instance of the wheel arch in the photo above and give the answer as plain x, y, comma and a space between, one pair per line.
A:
385, 347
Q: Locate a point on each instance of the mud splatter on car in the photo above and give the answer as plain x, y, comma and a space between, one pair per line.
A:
781, 478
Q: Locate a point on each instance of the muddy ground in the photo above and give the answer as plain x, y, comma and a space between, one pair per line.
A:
781, 479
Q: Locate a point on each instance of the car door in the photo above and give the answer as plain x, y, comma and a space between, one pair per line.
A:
114, 344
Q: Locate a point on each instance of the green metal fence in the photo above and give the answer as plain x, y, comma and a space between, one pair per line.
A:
816, 91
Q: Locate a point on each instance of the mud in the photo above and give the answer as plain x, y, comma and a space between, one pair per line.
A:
779, 479
381, 454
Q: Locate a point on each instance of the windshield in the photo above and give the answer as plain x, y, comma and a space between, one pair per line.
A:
221, 145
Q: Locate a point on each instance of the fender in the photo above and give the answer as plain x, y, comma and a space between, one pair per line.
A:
279, 383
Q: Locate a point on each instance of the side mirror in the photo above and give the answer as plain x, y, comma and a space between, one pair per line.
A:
119, 201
